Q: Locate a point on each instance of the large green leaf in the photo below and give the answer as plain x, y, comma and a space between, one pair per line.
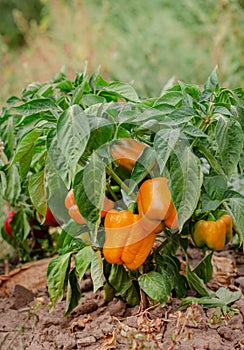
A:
215, 186
13, 189
221, 299
83, 260
122, 90
57, 158
164, 143
235, 206
73, 134
229, 137
25, 150
196, 283
73, 292
212, 81
89, 189
156, 286
185, 183
57, 276
101, 132
37, 191
120, 280
145, 164
56, 192
204, 268
169, 97
35, 106
90, 99
97, 271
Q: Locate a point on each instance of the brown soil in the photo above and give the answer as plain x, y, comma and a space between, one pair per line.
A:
26, 323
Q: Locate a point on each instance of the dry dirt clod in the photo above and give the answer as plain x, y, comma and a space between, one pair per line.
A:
22, 297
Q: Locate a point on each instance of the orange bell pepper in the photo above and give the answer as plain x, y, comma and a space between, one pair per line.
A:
126, 240
155, 202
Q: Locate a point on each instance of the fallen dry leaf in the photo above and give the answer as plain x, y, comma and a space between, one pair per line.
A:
80, 324
223, 270
109, 342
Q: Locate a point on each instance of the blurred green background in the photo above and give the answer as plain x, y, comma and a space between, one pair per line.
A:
145, 42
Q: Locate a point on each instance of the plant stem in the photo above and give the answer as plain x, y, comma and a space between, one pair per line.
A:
119, 181
112, 192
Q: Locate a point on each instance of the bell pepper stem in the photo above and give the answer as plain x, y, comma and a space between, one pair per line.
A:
119, 181
110, 190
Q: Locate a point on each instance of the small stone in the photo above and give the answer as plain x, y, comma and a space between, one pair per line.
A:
86, 341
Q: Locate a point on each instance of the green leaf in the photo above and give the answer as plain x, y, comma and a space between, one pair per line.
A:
209, 204
73, 292
164, 143
169, 264
222, 298
78, 231
144, 166
57, 158
190, 92
196, 283
215, 186
97, 271
235, 207
212, 81
211, 160
37, 191
13, 189
57, 192
20, 226
185, 183
227, 296
25, 150
123, 90
204, 268
229, 137
83, 260
120, 280
193, 131
57, 276
170, 97
89, 189
35, 106
156, 286
90, 99
65, 86
7, 136
102, 131
73, 134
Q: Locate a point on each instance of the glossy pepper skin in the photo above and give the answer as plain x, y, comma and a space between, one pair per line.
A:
212, 234
74, 212
126, 240
126, 151
229, 226
155, 202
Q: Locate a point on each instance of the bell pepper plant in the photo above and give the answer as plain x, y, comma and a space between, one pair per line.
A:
132, 181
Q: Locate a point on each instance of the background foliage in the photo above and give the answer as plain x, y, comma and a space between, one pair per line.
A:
149, 42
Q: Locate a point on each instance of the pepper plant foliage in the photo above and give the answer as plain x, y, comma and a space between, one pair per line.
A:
57, 136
